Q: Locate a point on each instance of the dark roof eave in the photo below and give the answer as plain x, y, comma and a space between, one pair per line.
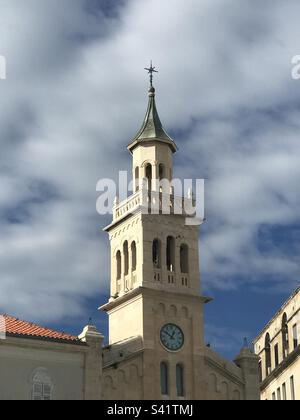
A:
136, 143
48, 339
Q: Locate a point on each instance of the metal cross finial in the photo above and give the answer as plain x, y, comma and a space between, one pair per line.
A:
150, 71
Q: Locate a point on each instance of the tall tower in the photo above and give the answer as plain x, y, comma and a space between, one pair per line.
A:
155, 276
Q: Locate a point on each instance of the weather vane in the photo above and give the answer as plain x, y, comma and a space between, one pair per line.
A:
151, 70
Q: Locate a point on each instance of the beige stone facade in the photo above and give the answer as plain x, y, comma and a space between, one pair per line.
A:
42, 369
278, 347
156, 292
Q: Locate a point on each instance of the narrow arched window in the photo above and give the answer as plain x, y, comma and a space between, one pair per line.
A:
149, 176
119, 265
285, 336
126, 258
133, 256
171, 253
180, 380
137, 179
260, 371
156, 253
42, 387
161, 171
164, 378
184, 259
268, 354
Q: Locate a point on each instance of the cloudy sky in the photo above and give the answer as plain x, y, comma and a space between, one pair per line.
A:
76, 94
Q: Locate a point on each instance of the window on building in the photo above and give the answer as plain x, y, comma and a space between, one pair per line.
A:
295, 336
268, 354
137, 179
126, 258
42, 387
284, 394
164, 378
149, 177
133, 256
161, 172
278, 394
260, 372
274, 396
276, 355
285, 336
180, 380
156, 253
293, 393
119, 265
184, 259
171, 253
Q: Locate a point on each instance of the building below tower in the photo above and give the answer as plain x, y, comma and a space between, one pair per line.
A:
278, 347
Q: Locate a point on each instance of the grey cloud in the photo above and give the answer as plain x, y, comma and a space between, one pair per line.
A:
76, 94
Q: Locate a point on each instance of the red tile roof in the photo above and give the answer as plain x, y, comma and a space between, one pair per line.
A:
16, 327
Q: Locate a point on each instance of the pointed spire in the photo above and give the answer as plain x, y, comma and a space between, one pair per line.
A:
152, 128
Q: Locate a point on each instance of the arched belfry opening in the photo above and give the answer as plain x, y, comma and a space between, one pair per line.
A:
156, 253
148, 174
162, 172
171, 253
184, 259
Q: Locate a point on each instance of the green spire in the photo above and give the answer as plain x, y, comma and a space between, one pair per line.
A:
152, 128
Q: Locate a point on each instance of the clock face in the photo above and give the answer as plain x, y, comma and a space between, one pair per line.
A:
172, 337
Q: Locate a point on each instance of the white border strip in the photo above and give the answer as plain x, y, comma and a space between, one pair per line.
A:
2, 328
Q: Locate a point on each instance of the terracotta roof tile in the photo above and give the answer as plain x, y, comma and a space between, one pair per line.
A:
17, 327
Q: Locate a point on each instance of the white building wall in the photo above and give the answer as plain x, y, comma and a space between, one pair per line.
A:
18, 365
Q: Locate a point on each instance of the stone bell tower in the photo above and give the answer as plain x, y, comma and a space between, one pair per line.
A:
155, 275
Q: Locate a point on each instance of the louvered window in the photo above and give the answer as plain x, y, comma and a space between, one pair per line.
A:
42, 388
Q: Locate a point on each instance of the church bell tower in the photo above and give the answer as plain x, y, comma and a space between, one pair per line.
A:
155, 275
